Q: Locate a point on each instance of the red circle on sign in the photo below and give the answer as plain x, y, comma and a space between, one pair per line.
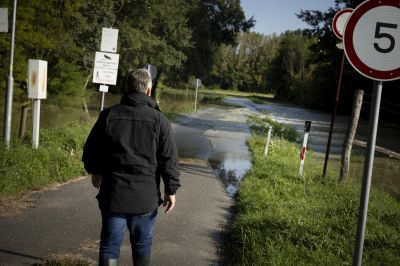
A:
350, 51
335, 21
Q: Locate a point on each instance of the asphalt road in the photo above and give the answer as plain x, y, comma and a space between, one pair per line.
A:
65, 220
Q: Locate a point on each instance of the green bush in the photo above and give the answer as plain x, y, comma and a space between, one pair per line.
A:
258, 126
57, 159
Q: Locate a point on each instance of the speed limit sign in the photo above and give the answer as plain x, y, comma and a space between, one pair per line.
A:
339, 21
372, 39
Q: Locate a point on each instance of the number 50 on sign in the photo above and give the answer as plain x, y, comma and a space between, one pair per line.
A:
372, 39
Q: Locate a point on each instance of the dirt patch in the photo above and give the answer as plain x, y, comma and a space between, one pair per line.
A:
12, 205
66, 260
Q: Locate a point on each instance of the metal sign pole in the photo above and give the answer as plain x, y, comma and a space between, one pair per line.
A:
102, 101
195, 101
369, 161
36, 123
10, 85
328, 146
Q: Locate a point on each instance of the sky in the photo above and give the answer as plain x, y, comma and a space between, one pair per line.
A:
277, 16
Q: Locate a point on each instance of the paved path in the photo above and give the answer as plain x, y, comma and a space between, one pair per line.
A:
65, 220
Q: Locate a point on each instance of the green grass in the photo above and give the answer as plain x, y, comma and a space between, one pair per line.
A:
57, 159
284, 219
258, 126
260, 96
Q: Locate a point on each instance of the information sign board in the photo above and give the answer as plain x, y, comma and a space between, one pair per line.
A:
3, 20
109, 40
37, 80
105, 68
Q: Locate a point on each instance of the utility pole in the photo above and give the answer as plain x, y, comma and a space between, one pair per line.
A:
10, 84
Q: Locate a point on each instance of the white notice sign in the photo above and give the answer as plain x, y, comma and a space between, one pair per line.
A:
3, 20
105, 68
109, 40
103, 88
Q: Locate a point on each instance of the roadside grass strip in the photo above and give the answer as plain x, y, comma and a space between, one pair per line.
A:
284, 219
57, 159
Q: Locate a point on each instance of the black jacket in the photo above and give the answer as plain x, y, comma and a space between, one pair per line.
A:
130, 146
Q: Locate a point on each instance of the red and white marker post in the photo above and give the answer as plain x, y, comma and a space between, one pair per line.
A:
307, 128
372, 46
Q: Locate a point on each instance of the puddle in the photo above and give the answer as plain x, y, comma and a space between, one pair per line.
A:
219, 136
230, 170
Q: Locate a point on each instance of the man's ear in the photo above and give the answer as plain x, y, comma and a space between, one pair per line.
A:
148, 91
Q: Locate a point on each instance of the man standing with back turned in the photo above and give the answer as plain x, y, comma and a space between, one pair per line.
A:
128, 149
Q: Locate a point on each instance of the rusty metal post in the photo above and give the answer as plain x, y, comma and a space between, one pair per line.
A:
328, 146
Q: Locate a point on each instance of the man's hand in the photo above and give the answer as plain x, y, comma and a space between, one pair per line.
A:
96, 181
169, 201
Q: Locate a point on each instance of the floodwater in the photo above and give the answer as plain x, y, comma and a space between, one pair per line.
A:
386, 171
218, 134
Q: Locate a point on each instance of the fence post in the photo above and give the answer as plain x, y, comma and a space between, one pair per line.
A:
268, 139
351, 132
22, 124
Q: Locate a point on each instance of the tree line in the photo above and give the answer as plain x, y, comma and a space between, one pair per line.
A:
179, 37
299, 66
186, 39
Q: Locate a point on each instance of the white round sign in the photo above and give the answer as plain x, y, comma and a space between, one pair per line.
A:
372, 39
339, 21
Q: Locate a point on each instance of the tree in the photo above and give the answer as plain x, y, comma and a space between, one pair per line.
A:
244, 66
289, 70
214, 22
327, 61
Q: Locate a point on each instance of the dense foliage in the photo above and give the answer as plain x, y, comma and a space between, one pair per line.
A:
177, 36
326, 60
185, 39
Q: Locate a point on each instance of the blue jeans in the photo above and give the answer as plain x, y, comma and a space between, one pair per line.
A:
140, 227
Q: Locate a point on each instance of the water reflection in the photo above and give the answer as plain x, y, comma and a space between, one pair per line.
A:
217, 134
230, 170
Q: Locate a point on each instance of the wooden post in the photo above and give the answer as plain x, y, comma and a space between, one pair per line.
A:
22, 124
351, 132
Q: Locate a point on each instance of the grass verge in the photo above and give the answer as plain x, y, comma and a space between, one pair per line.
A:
284, 219
57, 159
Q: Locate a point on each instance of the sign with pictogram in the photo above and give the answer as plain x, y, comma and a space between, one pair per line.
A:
339, 21
372, 39
105, 68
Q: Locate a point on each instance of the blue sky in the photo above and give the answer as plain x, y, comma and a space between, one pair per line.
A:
279, 15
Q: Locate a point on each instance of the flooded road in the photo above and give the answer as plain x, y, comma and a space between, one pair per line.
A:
217, 134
